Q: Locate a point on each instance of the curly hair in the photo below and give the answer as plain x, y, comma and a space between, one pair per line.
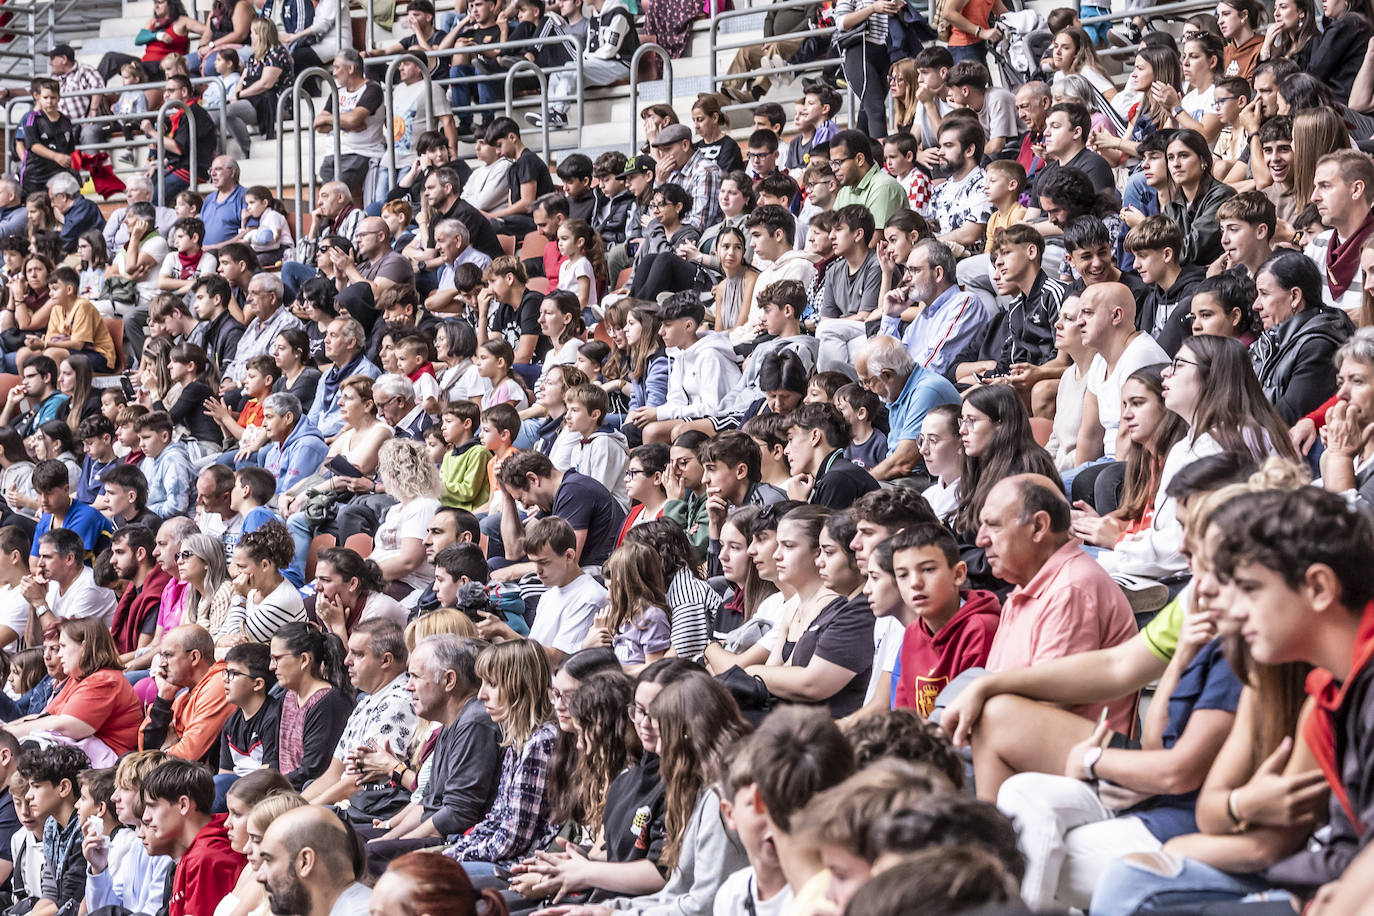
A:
271, 543
607, 743
406, 471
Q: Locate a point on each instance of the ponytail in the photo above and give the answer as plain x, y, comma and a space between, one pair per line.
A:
326, 653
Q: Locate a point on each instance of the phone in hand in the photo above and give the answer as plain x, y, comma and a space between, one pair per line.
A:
127, 387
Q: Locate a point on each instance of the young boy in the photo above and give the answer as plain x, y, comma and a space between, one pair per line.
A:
120, 873
124, 498
778, 189
49, 138
52, 773
1156, 242
702, 374
26, 843
573, 599
769, 116
126, 431
575, 171
849, 296
1234, 93
97, 800
1248, 221
259, 377
500, 426
761, 888
249, 739
74, 326
455, 566
463, 467
818, 180
814, 119
189, 260
600, 452
97, 437
859, 406
253, 488
682, 482
1005, 182
610, 218
412, 361
949, 629
899, 155
816, 437
171, 475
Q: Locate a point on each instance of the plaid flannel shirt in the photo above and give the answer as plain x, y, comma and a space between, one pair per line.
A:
700, 177
83, 78
518, 821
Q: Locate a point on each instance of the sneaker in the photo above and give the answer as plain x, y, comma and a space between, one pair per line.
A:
535, 119
127, 159
1125, 34
556, 119
1145, 595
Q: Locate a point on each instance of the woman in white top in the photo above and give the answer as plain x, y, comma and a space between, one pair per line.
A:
1073, 387
943, 452
407, 474
456, 343
1071, 51
263, 600
1202, 65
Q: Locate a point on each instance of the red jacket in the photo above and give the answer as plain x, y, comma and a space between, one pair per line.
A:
134, 607
929, 662
207, 873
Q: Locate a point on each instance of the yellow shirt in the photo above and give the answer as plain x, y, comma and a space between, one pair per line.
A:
1001, 219
83, 325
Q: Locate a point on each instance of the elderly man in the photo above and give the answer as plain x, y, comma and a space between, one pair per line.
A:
376, 662
222, 212
333, 214
77, 213
344, 341
466, 766
14, 216
1033, 101
681, 164
185, 134
75, 77
297, 449
191, 706
137, 188
63, 587
948, 320
305, 863
886, 368
360, 122
441, 192
394, 396
454, 248
1064, 601
267, 318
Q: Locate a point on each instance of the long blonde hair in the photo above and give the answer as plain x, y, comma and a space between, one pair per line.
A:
1316, 132
905, 106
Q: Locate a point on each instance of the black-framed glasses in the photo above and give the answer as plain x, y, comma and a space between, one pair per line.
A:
230, 674
1180, 361
632, 473
836, 163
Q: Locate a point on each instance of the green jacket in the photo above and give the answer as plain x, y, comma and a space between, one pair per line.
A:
464, 473
690, 513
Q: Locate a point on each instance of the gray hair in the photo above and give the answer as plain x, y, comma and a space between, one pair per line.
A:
179, 528
938, 255
884, 352
1076, 86
453, 653
353, 330
231, 163
1360, 347
1036, 88
143, 209
138, 182
457, 227
393, 386
64, 183
283, 403
351, 57
268, 283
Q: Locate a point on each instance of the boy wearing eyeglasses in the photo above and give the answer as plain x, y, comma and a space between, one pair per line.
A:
248, 741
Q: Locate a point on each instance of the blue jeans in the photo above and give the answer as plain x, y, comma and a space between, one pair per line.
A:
222, 783
460, 94
301, 534
1140, 195
977, 51
1097, 31
175, 185
1126, 888
293, 277
528, 428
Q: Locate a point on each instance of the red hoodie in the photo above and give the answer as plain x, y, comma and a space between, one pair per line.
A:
929, 662
1330, 695
207, 873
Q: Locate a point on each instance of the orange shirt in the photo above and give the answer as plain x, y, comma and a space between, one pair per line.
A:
105, 701
198, 716
976, 12
494, 465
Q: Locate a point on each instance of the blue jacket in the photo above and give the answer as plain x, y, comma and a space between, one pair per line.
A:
653, 391
82, 215
299, 457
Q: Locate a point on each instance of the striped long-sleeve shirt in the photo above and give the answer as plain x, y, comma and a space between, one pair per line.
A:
694, 606
262, 616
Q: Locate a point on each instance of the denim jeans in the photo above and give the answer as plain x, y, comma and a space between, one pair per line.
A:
1140, 195
1127, 888
488, 92
977, 51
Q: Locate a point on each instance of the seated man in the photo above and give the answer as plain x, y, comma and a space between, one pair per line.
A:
191, 707
308, 854
297, 449
60, 511
886, 368
344, 341
383, 717
949, 320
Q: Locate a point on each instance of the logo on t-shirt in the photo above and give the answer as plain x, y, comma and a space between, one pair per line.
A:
927, 691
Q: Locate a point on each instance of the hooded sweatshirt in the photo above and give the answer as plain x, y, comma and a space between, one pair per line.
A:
464, 473
931, 661
700, 378
207, 873
299, 457
603, 456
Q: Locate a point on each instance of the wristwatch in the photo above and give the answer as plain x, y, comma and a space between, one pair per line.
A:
1090, 758
40, 610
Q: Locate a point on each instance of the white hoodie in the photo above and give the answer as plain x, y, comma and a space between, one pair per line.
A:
700, 378
603, 457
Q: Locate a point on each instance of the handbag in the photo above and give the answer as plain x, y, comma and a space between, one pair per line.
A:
749, 690
845, 39
321, 505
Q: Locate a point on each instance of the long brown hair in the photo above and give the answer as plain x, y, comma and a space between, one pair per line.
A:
755, 588
1013, 450
519, 668
697, 720
1231, 404
634, 584
650, 344
1316, 132
1144, 462
905, 106
98, 649
606, 743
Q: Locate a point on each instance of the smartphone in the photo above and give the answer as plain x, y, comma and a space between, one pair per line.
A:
127, 386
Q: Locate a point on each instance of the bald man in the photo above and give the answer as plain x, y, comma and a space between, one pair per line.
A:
376, 263
189, 725
1064, 601
1106, 318
305, 863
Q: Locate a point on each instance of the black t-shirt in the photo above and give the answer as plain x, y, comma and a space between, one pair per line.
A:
205, 142
588, 506
1087, 162
410, 41
481, 235
528, 167
840, 482
842, 634
514, 323
60, 136
252, 739
635, 814
9, 821
724, 152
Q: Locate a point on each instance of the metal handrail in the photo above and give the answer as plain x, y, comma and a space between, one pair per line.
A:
647, 47
298, 96
162, 149
389, 94
543, 94
717, 18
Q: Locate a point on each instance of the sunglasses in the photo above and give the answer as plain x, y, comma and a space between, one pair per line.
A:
184, 555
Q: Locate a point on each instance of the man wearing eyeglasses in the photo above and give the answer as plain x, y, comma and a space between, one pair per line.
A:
862, 179
267, 319
375, 264
192, 706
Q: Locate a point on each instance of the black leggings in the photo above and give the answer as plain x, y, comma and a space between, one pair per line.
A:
1099, 485
662, 272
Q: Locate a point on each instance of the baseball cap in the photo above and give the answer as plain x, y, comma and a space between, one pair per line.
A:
63, 51
639, 165
672, 133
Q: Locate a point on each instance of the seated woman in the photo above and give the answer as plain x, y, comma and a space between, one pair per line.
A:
201, 565
225, 31
635, 330
348, 591
167, 32
1293, 357
1210, 386
1345, 464
263, 600
1071, 53
727, 556
1199, 196
1293, 33
824, 653
667, 233
96, 709
30, 307
189, 370
1224, 306
515, 689
291, 351
696, 263
1336, 57
56, 440
76, 380
407, 474
1150, 431
317, 701
692, 604
241, 798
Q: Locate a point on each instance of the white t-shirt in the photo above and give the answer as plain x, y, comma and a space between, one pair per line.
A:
463, 381
776, 607
1140, 352
408, 520
739, 888
1068, 417
1199, 104
943, 499
426, 386
409, 108
887, 645
356, 900
569, 272
566, 614
14, 613
83, 599
171, 265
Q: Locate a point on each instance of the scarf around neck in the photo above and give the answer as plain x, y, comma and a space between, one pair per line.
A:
1343, 259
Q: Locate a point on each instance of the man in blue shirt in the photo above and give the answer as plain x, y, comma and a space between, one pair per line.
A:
952, 320
910, 391
39, 388
222, 212
50, 481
